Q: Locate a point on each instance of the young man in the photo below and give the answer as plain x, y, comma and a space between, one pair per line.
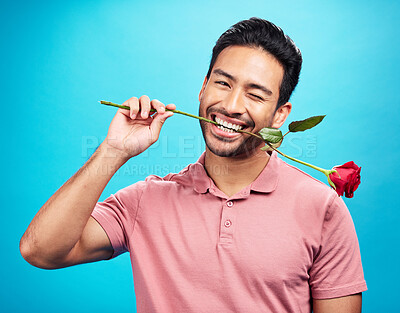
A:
237, 231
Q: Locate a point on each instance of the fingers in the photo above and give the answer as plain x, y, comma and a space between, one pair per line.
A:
133, 104
141, 108
171, 106
145, 106
160, 117
160, 107
158, 122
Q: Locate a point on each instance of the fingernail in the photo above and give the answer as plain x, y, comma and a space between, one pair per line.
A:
133, 116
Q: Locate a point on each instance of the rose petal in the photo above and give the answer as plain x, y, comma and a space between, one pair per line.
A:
339, 183
349, 179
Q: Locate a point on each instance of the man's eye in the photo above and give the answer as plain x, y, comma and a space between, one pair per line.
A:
222, 83
255, 96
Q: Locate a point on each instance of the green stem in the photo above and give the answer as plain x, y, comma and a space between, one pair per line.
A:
326, 172
322, 170
179, 112
286, 134
153, 110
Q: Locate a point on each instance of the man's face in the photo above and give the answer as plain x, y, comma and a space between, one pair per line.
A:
243, 89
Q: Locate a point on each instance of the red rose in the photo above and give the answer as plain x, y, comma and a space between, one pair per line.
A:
349, 178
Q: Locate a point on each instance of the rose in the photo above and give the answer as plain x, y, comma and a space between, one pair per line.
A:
346, 178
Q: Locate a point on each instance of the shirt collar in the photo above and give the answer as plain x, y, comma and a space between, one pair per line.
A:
266, 182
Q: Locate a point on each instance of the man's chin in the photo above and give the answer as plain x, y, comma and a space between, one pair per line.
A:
230, 147
223, 153
240, 151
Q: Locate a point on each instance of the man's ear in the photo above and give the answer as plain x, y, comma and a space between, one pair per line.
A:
203, 88
281, 114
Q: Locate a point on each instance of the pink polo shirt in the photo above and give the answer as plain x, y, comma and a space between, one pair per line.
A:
271, 247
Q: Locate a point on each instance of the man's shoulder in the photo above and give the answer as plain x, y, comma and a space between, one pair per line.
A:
183, 178
297, 180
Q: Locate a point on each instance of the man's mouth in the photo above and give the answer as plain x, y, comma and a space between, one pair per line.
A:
227, 125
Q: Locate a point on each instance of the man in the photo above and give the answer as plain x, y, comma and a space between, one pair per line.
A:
239, 230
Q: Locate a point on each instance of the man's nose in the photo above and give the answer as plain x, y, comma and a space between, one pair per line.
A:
235, 103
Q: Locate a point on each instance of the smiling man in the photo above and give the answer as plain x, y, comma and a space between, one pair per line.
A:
237, 231
242, 90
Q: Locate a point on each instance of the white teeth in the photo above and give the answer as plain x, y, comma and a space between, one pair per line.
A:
228, 125
225, 129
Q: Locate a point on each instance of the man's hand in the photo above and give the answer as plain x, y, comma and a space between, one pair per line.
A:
132, 132
63, 233
349, 304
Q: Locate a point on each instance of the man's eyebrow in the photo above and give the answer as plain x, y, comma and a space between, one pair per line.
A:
223, 73
262, 88
250, 85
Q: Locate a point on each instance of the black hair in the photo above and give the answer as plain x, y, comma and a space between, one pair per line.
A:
260, 33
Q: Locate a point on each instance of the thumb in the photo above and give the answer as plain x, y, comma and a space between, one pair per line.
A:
158, 122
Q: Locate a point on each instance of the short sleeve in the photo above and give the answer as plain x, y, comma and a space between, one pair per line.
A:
337, 269
117, 214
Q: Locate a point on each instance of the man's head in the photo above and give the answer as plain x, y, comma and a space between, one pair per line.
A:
254, 67
259, 33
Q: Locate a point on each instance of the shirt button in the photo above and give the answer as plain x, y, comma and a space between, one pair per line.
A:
229, 203
228, 223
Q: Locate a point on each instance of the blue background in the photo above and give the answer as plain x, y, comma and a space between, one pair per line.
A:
59, 58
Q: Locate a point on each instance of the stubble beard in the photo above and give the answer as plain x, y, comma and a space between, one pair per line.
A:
246, 148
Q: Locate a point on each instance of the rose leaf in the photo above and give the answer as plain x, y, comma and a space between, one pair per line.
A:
274, 145
299, 126
272, 135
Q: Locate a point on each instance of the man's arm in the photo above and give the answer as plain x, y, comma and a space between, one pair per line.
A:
348, 304
63, 233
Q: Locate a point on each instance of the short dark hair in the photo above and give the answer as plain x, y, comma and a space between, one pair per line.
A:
260, 33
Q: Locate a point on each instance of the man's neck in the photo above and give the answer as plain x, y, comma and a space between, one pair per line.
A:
232, 174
